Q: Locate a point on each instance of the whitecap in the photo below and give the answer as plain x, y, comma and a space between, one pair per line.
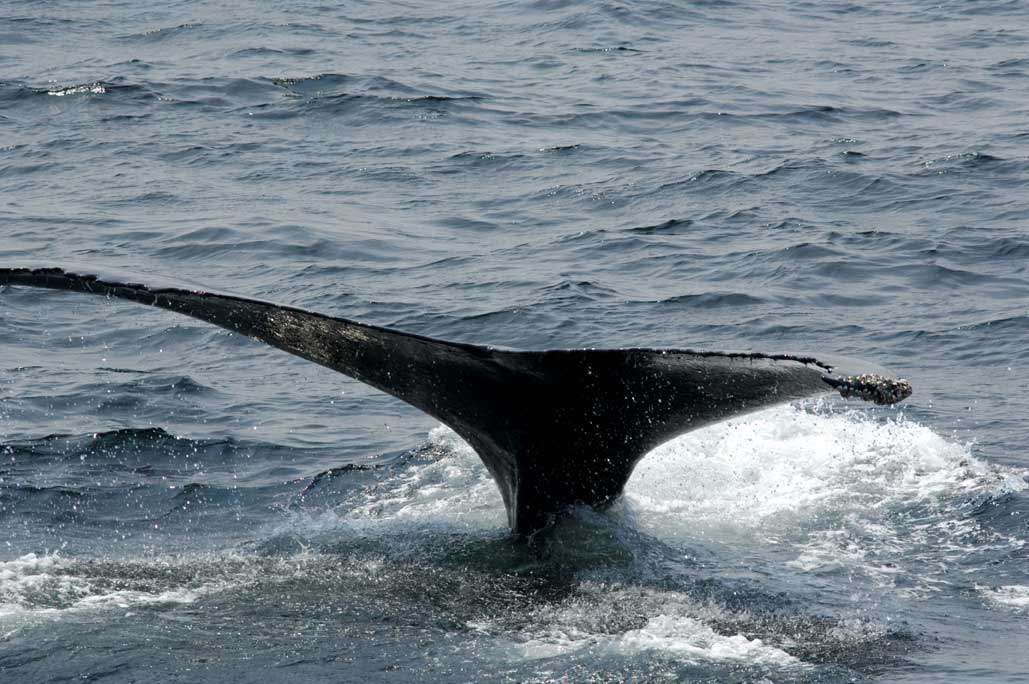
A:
84, 89
1012, 595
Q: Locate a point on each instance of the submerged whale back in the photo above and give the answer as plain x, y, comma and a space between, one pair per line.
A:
554, 428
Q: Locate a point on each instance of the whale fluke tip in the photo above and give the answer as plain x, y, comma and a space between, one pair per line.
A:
872, 387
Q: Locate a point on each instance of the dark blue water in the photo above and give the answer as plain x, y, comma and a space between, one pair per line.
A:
846, 178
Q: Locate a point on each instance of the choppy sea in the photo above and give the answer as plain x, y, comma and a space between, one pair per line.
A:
841, 177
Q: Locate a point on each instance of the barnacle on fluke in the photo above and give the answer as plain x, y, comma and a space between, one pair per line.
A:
877, 389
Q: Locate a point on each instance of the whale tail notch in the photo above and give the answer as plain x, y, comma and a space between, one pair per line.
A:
555, 428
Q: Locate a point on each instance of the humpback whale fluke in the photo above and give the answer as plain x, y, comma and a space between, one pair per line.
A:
554, 428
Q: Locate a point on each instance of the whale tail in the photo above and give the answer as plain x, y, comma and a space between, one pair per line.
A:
555, 428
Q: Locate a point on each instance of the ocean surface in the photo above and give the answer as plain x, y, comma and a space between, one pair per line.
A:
845, 178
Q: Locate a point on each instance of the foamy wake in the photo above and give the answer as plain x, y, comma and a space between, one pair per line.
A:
833, 486
41, 587
1012, 596
674, 626
453, 492
787, 463
46, 584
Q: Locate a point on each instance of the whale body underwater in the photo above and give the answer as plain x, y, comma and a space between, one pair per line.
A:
555, 428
